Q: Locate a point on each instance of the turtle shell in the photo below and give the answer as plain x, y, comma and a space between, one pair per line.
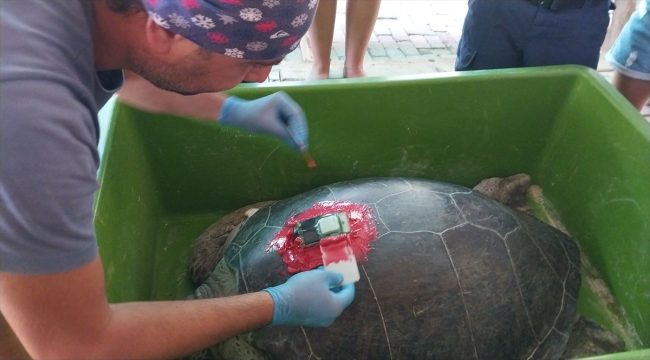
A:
453, 275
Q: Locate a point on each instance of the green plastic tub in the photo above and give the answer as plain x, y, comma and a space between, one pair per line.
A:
165, 179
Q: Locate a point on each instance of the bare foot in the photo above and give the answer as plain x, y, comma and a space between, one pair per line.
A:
353, 72
319, 72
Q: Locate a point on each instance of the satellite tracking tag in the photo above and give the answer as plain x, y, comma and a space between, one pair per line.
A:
336, 234
331, 232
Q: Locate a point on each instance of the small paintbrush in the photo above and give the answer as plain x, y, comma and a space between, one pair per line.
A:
301, 146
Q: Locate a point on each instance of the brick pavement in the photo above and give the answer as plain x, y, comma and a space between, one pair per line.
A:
410, 37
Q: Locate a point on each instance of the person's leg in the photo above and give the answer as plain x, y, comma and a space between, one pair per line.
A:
630, 57
360, 17
636, 91
572, 36
493, 34
320, 38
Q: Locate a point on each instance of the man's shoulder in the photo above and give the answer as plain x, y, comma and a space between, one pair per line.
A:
45, 36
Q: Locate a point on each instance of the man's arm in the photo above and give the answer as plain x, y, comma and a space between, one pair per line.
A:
67, 316
141, 94
273, 114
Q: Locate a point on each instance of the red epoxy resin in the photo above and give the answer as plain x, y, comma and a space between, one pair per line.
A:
301, 258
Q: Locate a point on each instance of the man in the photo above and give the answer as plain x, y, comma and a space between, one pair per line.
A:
522, 33
630, 57
59, 63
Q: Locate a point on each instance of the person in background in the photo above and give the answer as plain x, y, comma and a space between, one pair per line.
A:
524, 33
360, 18
61, 61
630, 57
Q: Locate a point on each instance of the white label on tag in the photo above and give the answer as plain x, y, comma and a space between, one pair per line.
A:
348, 267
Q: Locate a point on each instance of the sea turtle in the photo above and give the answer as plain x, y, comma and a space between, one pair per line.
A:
452, 274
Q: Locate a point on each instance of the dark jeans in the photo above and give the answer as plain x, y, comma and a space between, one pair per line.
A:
516, 33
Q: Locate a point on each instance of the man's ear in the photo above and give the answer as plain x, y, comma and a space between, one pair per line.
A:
159, 40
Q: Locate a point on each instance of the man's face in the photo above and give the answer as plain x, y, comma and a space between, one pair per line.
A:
202, 71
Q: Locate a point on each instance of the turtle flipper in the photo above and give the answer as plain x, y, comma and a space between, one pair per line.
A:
209, 246
588, 338
204, 354
237, 348
222, 282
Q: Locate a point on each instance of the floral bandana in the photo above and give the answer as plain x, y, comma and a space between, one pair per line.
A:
246, 29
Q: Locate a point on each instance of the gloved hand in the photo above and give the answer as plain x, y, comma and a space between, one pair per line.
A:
272, 114
310, 298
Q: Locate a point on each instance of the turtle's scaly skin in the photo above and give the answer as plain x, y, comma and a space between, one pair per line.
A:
209, 246
588, 339
510, 191
454, 275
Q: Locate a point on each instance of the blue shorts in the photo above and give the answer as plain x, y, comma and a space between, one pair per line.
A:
630, 55
519, 33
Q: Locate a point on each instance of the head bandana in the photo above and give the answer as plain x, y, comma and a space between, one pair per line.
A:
246, 29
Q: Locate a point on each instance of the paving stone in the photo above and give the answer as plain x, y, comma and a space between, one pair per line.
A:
399, 35
455, 32
387, 42
427, 52
397, 31
339, 49
395, 54
367, 57
449, 40
410, 37
438, 26
404, 19
274, 75
430, 58
437, 52
408, 48
434, 41
387, 10
376, 49
445, 64
293, 73
333, 55
295, 55
419, 41
421, 16
413, 29
339, 22
340, 8
339, 36
418, 12
381, 28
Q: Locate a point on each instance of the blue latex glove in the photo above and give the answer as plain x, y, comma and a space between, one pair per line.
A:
275, 114
312, 298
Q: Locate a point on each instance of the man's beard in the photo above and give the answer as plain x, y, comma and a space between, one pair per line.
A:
163, 79
174, 78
